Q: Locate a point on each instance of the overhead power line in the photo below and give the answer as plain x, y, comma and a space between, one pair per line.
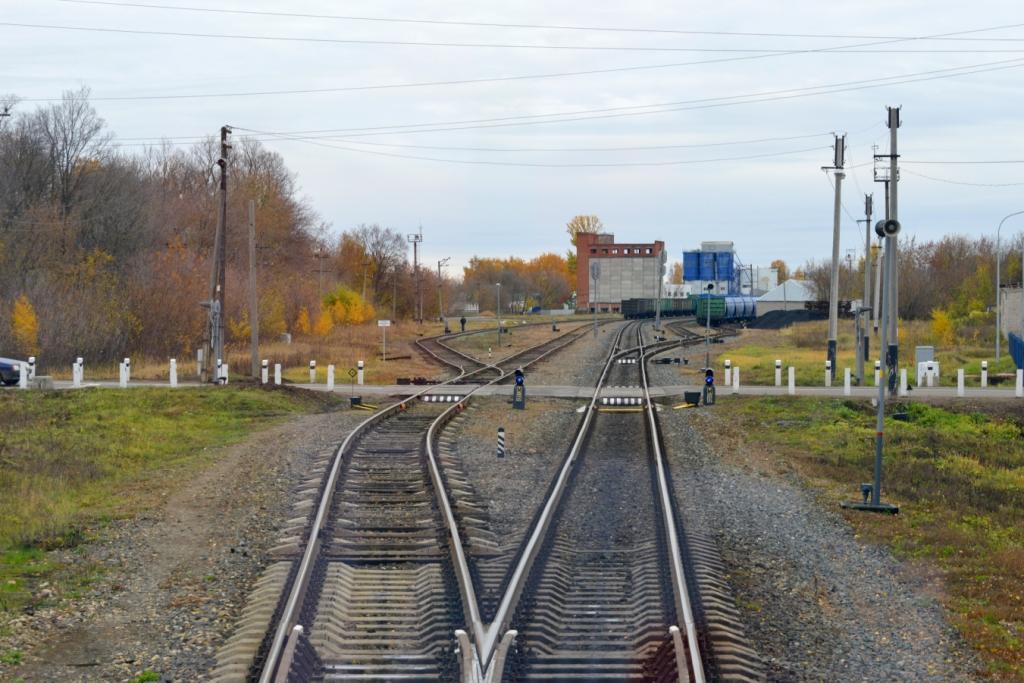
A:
959, 182
964, 161
683, 105
507, 25
513, 46
483, 162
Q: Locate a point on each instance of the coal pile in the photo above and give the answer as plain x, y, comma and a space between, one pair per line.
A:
776, 320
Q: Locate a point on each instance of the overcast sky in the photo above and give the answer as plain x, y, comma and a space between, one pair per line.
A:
777, 205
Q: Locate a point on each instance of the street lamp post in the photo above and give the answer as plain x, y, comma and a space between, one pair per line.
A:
498, 306
999, 315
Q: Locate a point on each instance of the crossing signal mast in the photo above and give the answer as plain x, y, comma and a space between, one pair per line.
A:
415, 238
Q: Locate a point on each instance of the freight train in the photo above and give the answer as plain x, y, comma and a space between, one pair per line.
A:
725, 308
646, 308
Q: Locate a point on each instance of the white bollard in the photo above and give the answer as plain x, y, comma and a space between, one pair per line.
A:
78, 372
224, 373
312, 372
792, 381
264, 371
174, 372
330, 378
122, 375
846, 381
984, 374
22, 376
778, 372
1020, 384
277, 373
728, 373
31, 367
828, 373
359, 373
736, 380
878, 372
960, 382
903, 382
930, 369
199, 362
218, 373
501, 442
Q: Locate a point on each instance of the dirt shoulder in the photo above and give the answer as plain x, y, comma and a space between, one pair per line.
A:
174, 580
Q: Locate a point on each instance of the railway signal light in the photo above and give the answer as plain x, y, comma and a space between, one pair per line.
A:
709, 376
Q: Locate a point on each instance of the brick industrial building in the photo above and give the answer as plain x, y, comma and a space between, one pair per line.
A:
627, 271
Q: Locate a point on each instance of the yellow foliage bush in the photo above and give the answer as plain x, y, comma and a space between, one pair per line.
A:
302, 324
25, 326
943, 329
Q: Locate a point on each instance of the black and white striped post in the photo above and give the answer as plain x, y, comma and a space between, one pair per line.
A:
264, 371
501, 442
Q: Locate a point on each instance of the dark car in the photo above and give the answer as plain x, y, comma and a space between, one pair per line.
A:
9, 371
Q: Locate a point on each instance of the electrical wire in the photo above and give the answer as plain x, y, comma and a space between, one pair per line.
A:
965, 161
959, 182
689, 105
506, 46
480, 162
492, 24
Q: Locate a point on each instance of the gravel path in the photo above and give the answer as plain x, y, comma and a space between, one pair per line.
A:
817, 604
537, 439
177, 578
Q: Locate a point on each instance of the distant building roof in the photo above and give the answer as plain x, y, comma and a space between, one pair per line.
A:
790, 290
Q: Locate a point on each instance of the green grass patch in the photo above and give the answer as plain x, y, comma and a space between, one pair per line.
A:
959, 479
72, 460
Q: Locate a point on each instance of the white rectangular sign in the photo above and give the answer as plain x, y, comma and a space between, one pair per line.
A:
383, 323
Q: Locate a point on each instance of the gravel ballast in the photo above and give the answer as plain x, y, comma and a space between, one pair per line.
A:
176, 578
817, 604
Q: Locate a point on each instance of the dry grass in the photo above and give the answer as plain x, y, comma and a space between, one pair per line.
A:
343, 347
803, 346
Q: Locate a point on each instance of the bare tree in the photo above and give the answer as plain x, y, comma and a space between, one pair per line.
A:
385, 250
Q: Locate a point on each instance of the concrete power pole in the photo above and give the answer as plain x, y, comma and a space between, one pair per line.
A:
213, 339
416, 238
254, 311
839, 153
893, 283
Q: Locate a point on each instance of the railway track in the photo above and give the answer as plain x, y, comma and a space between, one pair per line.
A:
374, 592
390, 569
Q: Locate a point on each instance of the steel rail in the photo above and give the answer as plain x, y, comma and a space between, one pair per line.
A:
461, 564
289, 615
683, 606
487, 637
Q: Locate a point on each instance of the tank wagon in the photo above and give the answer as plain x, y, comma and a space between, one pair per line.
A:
725, 308
646, 308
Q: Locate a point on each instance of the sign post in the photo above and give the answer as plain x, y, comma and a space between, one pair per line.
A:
384, 325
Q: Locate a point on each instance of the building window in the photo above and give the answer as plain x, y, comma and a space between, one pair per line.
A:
615, 251
604, 251
648, 251
636, 251
593, 251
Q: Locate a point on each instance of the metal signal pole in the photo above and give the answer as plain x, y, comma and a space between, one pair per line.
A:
893, 281
416, 238
440, 295
839, 153
863, 340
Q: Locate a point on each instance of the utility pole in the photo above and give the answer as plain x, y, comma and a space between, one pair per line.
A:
254, 313
893, 282
213, 339
863, 340
662, 258
440, 296
320, 254
416, 238
366, 267
839, 153
498, 307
